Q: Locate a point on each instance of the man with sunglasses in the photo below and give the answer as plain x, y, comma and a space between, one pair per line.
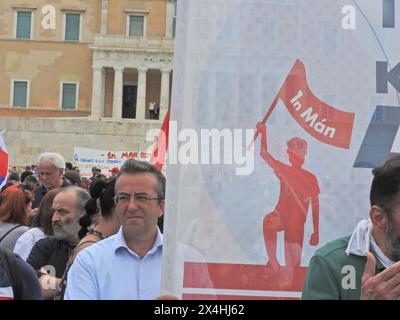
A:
126, 265
365, 265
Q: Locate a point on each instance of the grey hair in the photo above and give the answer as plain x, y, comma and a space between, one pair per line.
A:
82, 196
54, 157
132, 166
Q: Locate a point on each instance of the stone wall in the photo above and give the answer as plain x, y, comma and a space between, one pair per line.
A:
26, 138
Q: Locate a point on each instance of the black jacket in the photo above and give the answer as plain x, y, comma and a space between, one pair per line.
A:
50, 252
41, 191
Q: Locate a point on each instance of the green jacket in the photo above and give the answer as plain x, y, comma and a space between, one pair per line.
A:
334, 275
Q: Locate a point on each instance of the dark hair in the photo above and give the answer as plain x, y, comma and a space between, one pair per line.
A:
13, 176
26, 186
103, 191
73, 177
68, 166
385, 186
25, 174
132, 166
45, 212
30, 178
96, 169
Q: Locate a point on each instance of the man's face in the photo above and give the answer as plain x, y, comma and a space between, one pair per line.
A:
392, 235
66, 217
49, 175
138, 217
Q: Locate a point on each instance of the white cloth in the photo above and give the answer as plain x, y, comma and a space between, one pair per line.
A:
25, 243
361, 241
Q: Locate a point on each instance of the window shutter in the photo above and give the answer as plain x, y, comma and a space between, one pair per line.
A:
72, 22
20, 93
69, 96
23, 25
136, 26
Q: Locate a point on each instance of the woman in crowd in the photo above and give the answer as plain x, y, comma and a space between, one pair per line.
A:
14, 212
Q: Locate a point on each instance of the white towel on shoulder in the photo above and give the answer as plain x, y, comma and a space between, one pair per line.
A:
360, 239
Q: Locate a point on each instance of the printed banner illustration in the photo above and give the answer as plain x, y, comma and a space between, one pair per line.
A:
280, 109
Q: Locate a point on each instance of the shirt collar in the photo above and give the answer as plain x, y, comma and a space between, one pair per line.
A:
382, 258
119, 242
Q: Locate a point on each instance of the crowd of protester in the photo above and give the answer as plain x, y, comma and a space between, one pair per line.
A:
64, 237
49, 214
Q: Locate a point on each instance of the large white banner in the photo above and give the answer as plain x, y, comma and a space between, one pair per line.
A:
244, 219
87, 158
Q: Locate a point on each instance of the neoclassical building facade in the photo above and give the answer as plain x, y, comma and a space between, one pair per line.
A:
82, 74
96, 59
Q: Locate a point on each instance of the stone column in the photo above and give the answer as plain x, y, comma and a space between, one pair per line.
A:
97, 110
141, 94
164, 95
103, 90
104, 17
118, 87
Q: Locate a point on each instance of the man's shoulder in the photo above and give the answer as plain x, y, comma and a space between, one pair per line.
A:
25, 270
39, 190
334, 248
66, 183
48, 242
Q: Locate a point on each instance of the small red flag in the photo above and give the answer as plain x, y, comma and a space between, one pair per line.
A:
159, 154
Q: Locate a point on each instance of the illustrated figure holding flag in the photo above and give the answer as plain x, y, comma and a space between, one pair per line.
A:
298, 189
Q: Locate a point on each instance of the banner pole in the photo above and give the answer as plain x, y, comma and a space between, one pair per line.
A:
266, 117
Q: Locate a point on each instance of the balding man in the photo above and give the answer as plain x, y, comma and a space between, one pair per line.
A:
52, 253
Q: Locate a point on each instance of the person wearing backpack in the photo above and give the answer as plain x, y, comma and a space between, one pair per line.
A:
14, 212
18, 280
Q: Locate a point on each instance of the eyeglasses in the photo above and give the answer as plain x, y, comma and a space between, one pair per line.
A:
124, 198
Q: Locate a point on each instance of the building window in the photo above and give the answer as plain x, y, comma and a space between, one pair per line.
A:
72, 27
69, 95
23, 28
20, 89
136, 25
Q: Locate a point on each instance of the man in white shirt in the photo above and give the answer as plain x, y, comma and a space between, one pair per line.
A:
152, 110
126, 265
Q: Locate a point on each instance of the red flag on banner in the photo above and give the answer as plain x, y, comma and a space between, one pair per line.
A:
324, 122
159, 154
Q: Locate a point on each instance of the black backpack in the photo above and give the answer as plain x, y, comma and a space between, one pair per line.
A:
10, 265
